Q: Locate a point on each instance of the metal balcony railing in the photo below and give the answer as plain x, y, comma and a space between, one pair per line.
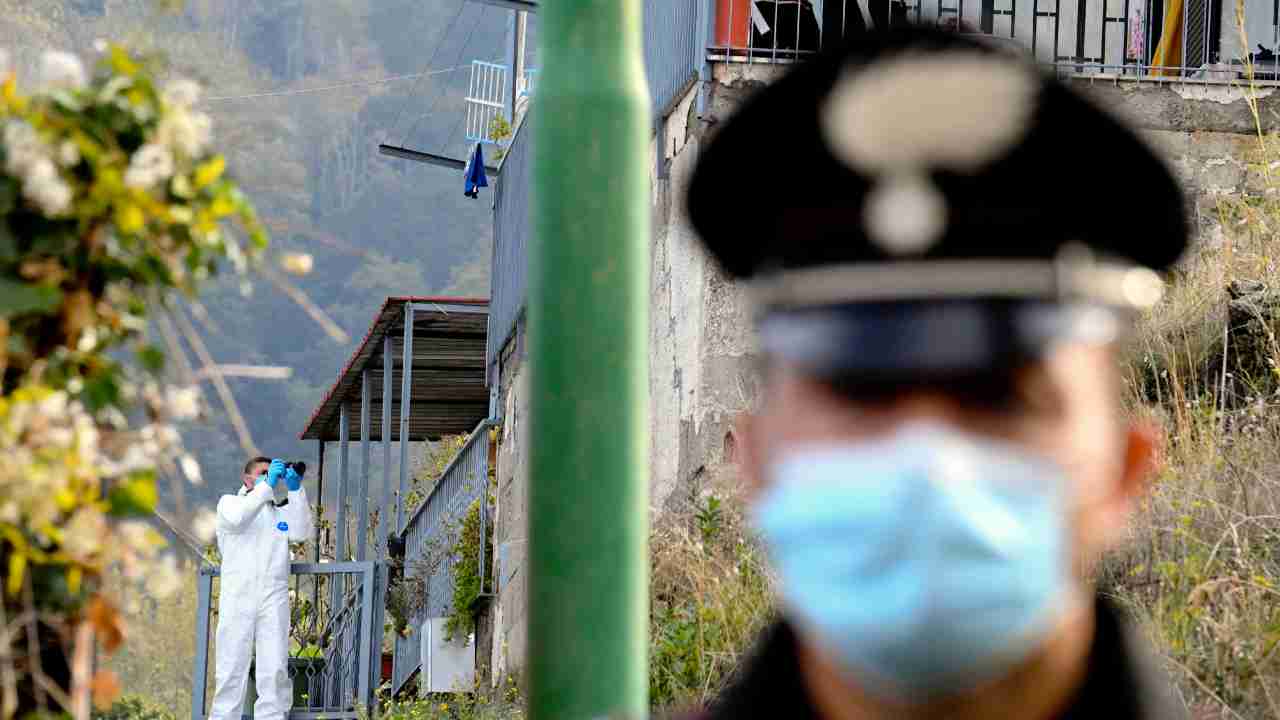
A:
485, 102
1117, 37
429, 538
335, 646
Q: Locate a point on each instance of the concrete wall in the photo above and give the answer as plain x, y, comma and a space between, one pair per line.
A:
702, 369
509, 610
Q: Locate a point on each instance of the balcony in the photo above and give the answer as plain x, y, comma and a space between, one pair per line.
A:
422, 363
334, 650
1121, 38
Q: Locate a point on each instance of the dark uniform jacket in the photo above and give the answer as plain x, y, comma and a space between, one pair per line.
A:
1120, 682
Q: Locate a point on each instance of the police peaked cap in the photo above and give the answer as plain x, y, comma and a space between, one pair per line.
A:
918, 204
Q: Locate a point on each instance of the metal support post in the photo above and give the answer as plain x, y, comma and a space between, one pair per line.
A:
319, 490
363, 523
406, 393
344, 448
364, 695
588, 328
200, 673
340, 524
384, 510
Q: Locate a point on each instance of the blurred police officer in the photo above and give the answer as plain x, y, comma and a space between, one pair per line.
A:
942, 275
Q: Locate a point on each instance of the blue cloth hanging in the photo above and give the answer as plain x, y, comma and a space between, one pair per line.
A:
475, 176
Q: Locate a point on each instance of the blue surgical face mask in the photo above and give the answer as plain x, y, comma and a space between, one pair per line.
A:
928, 562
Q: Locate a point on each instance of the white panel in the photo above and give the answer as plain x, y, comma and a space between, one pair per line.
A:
446, 666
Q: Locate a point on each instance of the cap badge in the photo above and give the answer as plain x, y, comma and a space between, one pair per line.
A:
897, 121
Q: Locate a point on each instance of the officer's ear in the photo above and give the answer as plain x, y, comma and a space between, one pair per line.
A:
1138, 467
1141, 460
749, 453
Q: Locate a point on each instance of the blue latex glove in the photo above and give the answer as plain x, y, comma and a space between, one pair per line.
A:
274, 472
292, 479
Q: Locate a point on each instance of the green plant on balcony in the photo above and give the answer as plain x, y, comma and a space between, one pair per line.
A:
469, 579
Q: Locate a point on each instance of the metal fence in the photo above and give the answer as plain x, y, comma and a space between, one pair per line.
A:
673, 43
334, 648
511, 231
485, 102
1122, 37
429, 539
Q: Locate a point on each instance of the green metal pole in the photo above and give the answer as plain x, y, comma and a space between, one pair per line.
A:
588, 333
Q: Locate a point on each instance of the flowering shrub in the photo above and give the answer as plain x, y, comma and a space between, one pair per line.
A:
112, 203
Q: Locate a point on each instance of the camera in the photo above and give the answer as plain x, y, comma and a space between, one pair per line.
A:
298, 466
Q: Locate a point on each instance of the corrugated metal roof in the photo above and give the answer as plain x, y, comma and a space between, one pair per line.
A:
448, 396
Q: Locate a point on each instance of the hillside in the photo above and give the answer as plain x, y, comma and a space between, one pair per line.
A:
375, 225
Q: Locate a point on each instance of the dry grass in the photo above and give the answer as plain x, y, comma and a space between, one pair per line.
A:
709, 597
1202, 567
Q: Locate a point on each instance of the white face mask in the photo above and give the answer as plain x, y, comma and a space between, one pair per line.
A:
929, 562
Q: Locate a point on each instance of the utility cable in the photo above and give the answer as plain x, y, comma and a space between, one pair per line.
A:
358, 83
466, 43
430, 61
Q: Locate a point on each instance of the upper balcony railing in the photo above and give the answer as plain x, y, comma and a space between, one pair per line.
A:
1131, 38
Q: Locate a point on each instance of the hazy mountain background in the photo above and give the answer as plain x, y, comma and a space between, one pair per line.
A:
377, 226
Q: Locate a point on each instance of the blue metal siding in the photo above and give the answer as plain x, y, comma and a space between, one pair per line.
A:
673, 52
511, 231
672, 48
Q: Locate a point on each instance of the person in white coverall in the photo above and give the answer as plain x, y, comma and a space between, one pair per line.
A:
253, 616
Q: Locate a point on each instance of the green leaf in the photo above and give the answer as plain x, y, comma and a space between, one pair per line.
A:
18, 298
151, 358
134, 496
8, 243
8, 194
101, 390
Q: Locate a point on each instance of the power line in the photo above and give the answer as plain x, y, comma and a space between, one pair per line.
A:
357, 83
430, 61
466, 43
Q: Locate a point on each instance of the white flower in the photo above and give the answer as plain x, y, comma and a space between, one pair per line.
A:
139, 537
150, 165
191, 469
297, 263
22, 146
205, 525
184, 402
62, 70
183, 92
100, 45
44, 187
187, 132
88, 341
82, 537
68, 154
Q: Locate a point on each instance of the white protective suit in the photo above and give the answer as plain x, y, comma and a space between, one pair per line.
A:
253, 611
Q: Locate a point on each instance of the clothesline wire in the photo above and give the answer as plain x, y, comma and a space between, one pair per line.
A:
430, 61
339, 86
461, 50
